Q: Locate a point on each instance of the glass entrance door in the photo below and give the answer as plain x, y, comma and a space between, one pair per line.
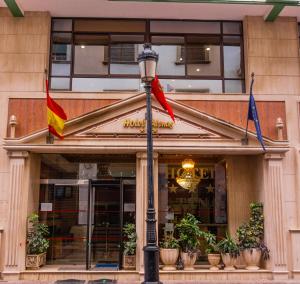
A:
105, 222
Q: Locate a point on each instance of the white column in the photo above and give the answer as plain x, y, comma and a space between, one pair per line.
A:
15, 239
141, 203
275, 229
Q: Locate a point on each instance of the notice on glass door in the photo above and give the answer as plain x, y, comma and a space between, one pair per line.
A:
46, 207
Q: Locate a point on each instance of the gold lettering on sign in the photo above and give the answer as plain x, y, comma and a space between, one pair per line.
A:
141, 124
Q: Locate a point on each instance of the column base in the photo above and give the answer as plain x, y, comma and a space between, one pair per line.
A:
296, 274
280, 275
10, 275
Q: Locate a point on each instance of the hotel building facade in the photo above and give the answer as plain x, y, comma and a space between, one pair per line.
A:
87, 186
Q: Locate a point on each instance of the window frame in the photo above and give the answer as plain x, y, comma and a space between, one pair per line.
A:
148, 38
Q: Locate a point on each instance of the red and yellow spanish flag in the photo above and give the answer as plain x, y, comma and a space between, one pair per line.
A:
56, 116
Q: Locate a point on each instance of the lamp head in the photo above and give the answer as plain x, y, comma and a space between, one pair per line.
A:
147, 61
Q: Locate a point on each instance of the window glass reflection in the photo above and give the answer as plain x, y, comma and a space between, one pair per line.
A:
203, 56
232, 62
207, 201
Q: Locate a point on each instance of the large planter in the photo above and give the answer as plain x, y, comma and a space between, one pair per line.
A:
252, 258
214, 260
169, 258
229, 261
129, 262
188, 260
35, 261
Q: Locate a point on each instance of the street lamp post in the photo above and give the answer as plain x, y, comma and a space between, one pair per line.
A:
147, 62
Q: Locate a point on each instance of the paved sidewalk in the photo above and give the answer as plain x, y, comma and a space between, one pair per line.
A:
171, 282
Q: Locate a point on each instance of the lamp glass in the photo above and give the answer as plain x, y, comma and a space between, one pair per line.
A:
147, 63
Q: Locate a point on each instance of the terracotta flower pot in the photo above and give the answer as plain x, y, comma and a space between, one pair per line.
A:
169, 258
188, 260
229, 261
252, 258
214, 260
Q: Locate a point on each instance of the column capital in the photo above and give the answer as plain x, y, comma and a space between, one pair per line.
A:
274, 156
143, 155
17, 154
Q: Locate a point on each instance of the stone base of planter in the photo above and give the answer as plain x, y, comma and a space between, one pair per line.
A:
188, 260
35, 261
169, 258
252, 258
129, 262
214, 260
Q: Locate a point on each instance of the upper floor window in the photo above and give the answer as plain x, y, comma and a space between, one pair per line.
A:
101, 55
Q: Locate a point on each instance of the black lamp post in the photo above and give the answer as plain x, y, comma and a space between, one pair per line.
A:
147, 62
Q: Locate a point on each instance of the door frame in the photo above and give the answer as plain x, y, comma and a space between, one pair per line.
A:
91, 204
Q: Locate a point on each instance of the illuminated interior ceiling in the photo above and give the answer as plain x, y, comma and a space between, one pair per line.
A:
163, 9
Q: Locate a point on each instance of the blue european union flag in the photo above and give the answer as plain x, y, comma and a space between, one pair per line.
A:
253, 115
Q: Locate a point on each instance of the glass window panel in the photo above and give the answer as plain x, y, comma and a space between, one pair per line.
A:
203, 56
232, 62
167, 40
170, 60
184, 27
62, 25
60, 69
91, 39
231, 40
61, 38
105, 85
91, 59
233, 86
109, 26
60, 83
61, 52
123, 58
232, 28
127, 38
193, 86
61, 47
207, 202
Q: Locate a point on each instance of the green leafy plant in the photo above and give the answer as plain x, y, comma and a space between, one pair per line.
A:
169, 242
130, 237
189, 234
251, 235
229, 245
211, 241
36, 241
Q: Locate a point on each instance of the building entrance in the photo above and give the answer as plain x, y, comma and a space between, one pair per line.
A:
107, 212
85, 201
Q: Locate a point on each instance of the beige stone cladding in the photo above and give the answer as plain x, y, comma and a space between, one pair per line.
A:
271, 51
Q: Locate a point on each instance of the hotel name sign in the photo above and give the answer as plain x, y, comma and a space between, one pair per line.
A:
134, 123
141, 124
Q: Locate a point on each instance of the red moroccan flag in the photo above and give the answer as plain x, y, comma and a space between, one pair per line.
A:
56, 116
160, 96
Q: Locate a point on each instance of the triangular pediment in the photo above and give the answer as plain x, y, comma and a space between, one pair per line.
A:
134, 124
122, 126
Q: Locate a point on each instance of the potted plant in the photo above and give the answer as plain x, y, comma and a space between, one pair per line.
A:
169, 252
212, 250
37, 244
251, 238
229, 251
129, 246
189, 234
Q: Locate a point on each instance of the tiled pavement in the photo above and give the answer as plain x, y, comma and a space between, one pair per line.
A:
168, 282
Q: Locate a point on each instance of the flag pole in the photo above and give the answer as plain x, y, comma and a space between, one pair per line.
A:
245, 139
49, 137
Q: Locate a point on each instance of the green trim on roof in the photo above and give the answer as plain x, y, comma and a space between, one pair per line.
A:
274, 12
14, 8
249, 2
